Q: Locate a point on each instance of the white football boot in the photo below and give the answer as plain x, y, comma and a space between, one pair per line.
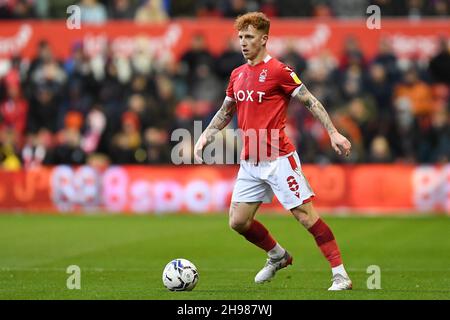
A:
272, 266
340, 282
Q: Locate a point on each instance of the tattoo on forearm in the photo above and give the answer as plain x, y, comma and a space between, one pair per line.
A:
316, 108
222, 118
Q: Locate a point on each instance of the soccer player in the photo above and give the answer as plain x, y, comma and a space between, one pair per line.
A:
259, 92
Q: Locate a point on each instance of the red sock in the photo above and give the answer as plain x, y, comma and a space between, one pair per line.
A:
326, 242
260, 236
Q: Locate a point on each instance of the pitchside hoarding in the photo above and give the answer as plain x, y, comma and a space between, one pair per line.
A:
364, 189
409, 39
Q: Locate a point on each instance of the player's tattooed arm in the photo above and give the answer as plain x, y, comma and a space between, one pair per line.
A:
339, 143
316, 108
221, 119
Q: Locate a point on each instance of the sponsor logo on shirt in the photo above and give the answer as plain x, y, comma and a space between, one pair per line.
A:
249, 95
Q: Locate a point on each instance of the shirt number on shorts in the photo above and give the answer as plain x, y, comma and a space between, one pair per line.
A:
293, 185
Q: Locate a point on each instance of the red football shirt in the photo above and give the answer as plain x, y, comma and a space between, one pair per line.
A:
262, 93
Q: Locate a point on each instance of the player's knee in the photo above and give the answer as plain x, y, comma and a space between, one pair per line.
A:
239, 224
304, 216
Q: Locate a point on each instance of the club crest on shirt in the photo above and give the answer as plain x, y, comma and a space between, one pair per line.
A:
263, 75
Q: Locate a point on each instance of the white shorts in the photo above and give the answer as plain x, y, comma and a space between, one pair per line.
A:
282, 177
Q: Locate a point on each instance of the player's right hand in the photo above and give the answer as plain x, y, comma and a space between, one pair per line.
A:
340, 144
198, 149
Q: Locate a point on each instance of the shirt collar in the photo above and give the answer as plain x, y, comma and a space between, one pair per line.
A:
267, 58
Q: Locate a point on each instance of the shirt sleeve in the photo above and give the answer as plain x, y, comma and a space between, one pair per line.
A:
230, 91
289, 81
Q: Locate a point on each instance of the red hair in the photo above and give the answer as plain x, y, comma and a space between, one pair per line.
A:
256, 19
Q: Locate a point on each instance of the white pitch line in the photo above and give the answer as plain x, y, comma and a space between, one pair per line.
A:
97, 269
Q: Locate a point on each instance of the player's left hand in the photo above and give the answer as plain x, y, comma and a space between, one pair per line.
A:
340, 144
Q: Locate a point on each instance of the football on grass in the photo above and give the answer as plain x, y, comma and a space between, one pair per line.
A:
180, 275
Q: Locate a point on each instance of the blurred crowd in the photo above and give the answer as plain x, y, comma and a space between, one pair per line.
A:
99, 11
110, 109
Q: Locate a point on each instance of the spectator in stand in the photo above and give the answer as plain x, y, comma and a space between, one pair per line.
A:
38, 149
121, 10
352, 82
321, 76
353, 55
142, 85
163, 109
78, 67
43, 109
363, 113
184, 113
156, 142
44, 55
95, 128
9, 158
6, 9
322, 10
111, 95
17, 9
127, 141
294, 8
24, 9
230, 59
438, 8
436, 140
142, 62
196, 55
92, 12
68, 140
415, 9
439, 66
269, 8
388, 60
140, 106
380, 151
294, 59
152, 11
390, 7
234, 8
13, 114
348, 8
415, 93
206, 87
404, 133
378, 85
46, 83
81, 84
208, 9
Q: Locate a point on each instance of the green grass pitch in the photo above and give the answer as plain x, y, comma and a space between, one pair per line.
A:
122, 257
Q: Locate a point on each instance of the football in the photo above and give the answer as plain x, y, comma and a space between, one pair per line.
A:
180, 275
